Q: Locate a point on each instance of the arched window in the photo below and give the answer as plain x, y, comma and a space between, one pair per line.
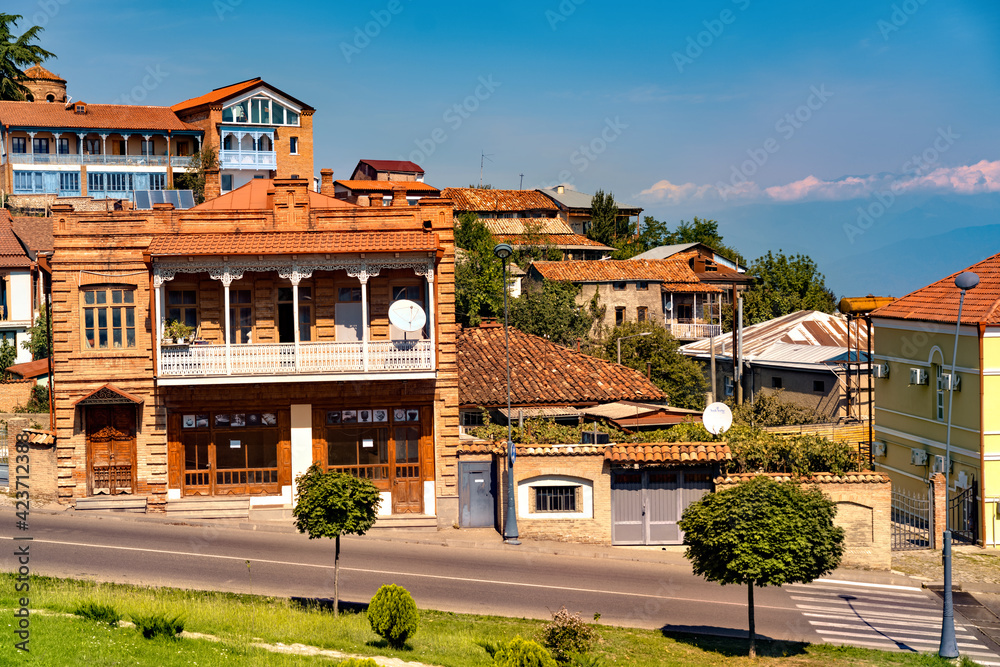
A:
50, 98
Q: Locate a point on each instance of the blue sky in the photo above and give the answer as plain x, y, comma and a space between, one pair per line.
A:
793, 124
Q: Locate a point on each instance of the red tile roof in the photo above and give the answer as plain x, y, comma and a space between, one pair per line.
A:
938, 302
12, 253
477, 199
701, 288
39, 73
98, 117
394, 165
594, 271
541, 373
30, 369
673, 452
387, 186
253, 196
226, 92
526, 225
34, 232
557, 240
283, 243
817, 478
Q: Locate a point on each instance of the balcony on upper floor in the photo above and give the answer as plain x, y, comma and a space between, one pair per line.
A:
175, 161
688, 330
248, 159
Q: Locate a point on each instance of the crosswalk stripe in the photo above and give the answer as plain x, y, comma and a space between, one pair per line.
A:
880, 622
812, 587
840, 602
871, 614
895, 631
967, 648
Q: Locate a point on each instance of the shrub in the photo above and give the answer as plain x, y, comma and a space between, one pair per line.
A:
358, 662
393, 615
102, 613
567, 634
158, 625
519, 652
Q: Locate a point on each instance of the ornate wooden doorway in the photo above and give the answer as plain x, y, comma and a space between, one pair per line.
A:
111, 449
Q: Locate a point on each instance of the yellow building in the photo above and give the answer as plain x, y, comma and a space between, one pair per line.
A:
914, 342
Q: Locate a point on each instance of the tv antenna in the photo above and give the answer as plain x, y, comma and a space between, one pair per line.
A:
482, 159
521, 186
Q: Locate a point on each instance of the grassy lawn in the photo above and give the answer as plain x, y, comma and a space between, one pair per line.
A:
443, 638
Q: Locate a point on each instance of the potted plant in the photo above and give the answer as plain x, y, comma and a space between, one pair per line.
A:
177, 331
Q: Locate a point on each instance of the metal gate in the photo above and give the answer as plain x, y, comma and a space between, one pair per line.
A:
477, 497
912, 519
646, 505
963, 515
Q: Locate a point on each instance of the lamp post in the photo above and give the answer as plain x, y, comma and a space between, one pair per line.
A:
949, 646
503, 252
644, 333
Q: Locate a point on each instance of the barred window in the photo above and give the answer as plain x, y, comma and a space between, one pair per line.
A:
556, 498
109, 318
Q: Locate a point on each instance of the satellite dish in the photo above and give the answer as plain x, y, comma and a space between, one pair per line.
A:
407, 315
717, 418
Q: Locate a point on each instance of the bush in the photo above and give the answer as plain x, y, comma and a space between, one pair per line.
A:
567, 634
519, 652
158, 625
102, 613
358, 662
393, 615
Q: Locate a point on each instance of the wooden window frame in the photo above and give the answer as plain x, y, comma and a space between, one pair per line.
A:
108, 306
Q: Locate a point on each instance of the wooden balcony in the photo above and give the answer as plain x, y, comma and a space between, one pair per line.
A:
694, 330
318, 360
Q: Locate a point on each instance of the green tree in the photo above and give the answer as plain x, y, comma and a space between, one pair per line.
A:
604, 224
331, 504
679, 376
17, 53
193, 178
654, 234
549, 309
762, 533
535, 246
8, 355
769, 408
38, 336
478, 272
784, 284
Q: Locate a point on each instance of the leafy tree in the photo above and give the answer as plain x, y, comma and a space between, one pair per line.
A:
762, 533
478, 272
770, 409
784, 285
331, 504
17, 53
604, 219
38, 336
471, 233
549, 309
207, 159
654, 234
8, 355
535, 247
679, 376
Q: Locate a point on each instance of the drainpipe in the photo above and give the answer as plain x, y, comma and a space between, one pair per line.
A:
982, 445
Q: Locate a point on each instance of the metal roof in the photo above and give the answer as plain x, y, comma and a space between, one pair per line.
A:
574, 199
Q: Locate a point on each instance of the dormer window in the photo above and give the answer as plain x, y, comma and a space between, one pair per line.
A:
259, 111
80, 108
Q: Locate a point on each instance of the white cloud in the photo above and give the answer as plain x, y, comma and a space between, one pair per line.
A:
665, 191
967, 180
811, 187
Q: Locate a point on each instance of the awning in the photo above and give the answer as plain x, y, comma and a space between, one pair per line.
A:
109, 395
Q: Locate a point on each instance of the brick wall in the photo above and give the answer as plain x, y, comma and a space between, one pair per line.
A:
863, 511
590, 467
15, 393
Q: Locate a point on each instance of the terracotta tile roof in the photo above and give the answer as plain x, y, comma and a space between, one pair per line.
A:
30, 369
39, 73
593, 271
253, 196
284, 243
12, 253
224, 93
701, 288
817, 478
521, 225
476, 199
541, 372
938, 302
387, 186
557, 240
98, 117
394, 165
672, 452
35, 232
39, 437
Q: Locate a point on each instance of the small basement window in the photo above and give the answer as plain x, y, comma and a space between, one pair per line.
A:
819, 385
775, 382
556, 498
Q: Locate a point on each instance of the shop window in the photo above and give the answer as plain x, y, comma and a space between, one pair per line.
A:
109, 317
236, 452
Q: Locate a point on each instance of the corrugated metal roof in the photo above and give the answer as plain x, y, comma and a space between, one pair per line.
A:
795, 352
628, 409
570, 198
526, 225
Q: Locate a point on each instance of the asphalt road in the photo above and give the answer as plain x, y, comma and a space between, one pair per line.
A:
497, 580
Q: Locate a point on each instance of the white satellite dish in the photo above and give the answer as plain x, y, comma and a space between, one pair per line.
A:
717, 418
407, 315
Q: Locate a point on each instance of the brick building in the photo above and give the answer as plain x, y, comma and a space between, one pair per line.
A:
293, 357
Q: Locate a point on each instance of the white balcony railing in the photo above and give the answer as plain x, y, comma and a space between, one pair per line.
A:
239, 159
280, 358
694, 331
176, 161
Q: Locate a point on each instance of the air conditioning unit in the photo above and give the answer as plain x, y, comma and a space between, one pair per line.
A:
880, 370
918, 376
951, 382
938, 464
878, 448
918, 457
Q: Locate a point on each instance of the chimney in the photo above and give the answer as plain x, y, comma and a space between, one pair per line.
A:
363, 200
560, 189
399, 194
326, 182
213, 183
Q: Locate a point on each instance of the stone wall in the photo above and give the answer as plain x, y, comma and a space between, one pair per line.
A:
15, 393
863, 510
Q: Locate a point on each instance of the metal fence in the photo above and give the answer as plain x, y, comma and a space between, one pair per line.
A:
963, 517
912, 520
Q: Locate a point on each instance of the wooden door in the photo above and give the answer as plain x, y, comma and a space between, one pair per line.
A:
111, 449
407, 484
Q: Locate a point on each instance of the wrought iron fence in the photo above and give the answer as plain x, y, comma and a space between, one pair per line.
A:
963, 516
912, 520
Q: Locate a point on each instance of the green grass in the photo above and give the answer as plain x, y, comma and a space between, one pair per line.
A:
443, 638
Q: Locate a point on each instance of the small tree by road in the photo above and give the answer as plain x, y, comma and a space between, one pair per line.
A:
762, 533
331, 504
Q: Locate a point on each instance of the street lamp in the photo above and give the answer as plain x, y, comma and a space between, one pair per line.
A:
949, 646
644, 333
503, 252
